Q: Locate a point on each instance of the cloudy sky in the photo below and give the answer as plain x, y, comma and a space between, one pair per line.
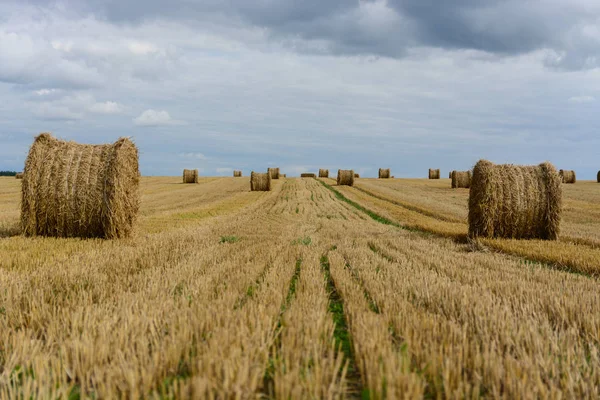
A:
223, 84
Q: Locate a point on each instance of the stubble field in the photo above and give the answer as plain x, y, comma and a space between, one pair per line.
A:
308, 291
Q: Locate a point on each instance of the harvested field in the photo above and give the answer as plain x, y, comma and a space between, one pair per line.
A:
310, 290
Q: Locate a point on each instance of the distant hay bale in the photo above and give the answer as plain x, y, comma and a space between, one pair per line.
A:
357, 175
434, 173
598, 177
79, 190
190, 176
274, 172
19, 175
450, 175
567, 176
384, 173
323, 173
510, 201
307, 175
283, 175
345, 177
237, 173
461, 179
260, 182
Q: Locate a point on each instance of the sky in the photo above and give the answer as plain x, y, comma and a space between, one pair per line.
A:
250, 84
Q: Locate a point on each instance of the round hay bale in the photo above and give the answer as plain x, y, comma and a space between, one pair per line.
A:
19, 175
190, 176
450, 175
79, 190
434, 173
237, 173
357, 175
307, 175
567, 176
461, 179
260, 182
598, 177
510, 201
384, 173
283, 175
345, 177
274, 173
323, 173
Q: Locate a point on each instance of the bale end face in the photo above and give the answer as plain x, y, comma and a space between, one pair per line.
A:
384, 173
237, 173
345, 177
77, 190
520, 202
260, 182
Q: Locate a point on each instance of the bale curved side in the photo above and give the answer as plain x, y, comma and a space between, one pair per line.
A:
434, 173
345, 177
237, 173
384, 173
78, 190
190, 176
357, 175
598, 177
509, 201
568, 176
323, 173
274, 172
307, 175
260, 182
19, 175
461, 179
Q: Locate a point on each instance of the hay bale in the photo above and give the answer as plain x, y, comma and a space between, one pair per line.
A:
345, 177
274, 172
434, 173
307, 175
384, 173
357, 175
237, 173
461, 179
598, 177
567, 176
190, 176
19, 175
260, 182
450, 175
283, 175
510, 201
79, 190
323, 173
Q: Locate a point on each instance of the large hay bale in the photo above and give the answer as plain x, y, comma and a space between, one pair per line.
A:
567, 176
260, 182
384, 173
323, 173
510, 201
79, 190
237, 173
19, 175
307, 175
357, 175
190, 176
598, 177
434, 173
274, 172
461, 179
345, 177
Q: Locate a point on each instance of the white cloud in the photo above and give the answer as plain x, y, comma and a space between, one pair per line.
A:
198, 156
108, 107
581, 99
142, 48
44, 92
155, 118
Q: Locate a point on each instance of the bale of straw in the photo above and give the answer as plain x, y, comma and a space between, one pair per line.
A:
190, 176
345, 177
260, 182
567, 176
461, 179
598, 177
434, 173
307, 175
19, 175
78, 190
283, 175
510, 201
323, 173
384, 173
237, 173
357, 175
450, 175
274, 172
